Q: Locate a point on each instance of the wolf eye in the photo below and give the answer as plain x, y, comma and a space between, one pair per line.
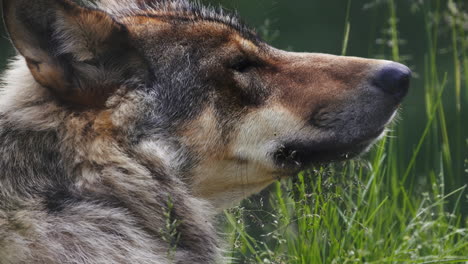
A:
243, 65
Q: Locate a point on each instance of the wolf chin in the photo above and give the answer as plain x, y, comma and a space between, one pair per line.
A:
126, 125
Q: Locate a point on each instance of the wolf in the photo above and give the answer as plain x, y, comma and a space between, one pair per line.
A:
126, 125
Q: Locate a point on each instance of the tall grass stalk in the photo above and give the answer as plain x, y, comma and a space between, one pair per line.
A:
347, 30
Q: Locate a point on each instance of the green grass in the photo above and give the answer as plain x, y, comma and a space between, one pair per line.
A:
388, 207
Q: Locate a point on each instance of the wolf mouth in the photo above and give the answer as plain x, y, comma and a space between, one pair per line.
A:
296, 155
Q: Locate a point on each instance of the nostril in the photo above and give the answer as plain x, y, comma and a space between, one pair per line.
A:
394, 79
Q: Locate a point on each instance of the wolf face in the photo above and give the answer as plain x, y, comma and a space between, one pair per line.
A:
195, 93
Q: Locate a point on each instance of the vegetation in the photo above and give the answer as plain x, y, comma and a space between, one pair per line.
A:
406, 201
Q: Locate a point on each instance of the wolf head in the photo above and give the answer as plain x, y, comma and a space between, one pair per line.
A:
193, 93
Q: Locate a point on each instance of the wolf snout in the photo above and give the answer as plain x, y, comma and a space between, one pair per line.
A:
393, 79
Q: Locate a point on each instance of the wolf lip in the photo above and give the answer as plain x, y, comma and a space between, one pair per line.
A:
297, 155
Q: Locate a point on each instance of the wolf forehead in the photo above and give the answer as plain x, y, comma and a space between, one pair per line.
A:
176, 12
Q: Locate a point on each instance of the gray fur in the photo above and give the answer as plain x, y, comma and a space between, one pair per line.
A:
125, 125
68, 196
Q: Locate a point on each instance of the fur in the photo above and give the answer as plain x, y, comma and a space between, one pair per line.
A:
126, 125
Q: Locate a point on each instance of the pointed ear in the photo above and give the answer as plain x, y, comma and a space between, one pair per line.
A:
79, 53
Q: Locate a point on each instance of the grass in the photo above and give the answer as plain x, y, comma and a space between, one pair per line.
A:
387, 207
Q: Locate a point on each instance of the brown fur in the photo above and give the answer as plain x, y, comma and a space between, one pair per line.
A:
126, 125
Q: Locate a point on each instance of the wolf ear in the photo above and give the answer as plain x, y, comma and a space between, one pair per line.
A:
80, 54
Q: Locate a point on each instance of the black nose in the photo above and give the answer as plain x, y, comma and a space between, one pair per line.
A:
394, 79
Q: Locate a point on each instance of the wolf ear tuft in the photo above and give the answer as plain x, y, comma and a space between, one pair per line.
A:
76, 52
